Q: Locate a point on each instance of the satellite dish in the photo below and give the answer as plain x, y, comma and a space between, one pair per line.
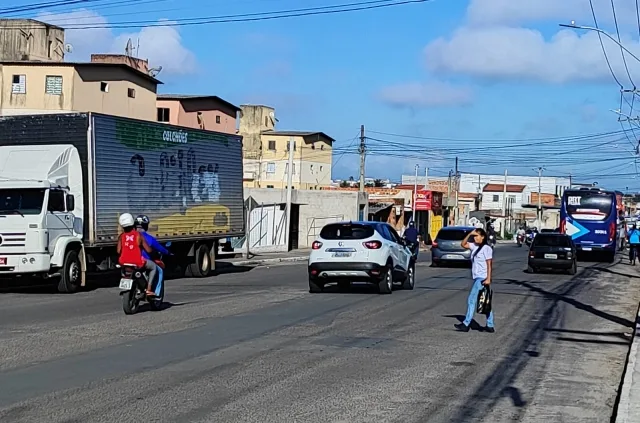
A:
129, 48
272, 115
153, 72
68, 48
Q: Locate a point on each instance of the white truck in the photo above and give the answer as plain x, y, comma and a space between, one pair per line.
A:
65, 179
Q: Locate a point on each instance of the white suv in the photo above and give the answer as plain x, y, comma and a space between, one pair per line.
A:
370, 252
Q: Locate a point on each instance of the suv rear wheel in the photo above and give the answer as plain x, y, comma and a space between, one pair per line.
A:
385, 286
314, 287
410, 280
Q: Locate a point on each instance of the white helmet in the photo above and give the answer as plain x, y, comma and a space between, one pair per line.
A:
126, 220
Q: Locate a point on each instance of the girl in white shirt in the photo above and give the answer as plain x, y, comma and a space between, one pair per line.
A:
481, 268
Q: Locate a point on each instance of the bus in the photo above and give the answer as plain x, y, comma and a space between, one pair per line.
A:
590, 217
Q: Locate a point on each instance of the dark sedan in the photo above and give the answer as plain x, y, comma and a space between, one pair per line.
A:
553, 251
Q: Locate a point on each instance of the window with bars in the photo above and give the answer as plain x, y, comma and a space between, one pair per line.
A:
19, 84
53, 85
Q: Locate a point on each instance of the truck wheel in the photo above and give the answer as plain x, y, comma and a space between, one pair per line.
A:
201, 267
70, 273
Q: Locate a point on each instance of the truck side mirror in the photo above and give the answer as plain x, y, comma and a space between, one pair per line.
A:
71, 202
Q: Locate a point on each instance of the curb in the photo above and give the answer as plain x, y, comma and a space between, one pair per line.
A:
262, 262
623, 411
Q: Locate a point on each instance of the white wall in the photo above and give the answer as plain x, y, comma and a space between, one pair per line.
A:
317, 208
488, 202
469, 182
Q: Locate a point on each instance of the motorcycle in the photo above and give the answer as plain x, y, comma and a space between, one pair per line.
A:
414, 247
492, 241
520, 239
529, 239
133, 287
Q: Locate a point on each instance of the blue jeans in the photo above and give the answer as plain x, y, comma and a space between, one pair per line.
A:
471, 303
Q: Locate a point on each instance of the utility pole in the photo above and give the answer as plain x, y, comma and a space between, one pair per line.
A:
570, 181
449, 197
539, 214
456, 211
426, 179
415, 195
362, 151
504, 205
289, 192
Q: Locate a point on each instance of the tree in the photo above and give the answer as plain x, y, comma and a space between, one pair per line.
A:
378, 183
344, 184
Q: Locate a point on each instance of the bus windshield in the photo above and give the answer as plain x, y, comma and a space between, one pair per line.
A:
589, 205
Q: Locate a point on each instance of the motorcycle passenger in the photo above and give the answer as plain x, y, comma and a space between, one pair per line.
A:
634, 243
142, 225
130, 248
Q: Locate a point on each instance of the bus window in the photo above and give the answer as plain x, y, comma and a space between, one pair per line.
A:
589, 205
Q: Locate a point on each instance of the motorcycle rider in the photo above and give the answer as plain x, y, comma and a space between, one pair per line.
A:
491, 231
411, 236
521, 234
131, 246
142, 225
634, 243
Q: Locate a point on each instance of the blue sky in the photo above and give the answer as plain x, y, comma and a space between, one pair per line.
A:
476, 73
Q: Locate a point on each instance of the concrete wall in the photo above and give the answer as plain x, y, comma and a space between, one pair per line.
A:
35, 99
549, 185
317, 208
27, 39
254, 119
489, 204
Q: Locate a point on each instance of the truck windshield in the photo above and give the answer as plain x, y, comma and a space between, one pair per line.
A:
21, 201
589, 205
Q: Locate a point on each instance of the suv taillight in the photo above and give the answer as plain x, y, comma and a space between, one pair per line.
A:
372, 245
316, 245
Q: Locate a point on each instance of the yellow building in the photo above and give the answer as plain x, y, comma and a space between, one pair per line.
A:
114, 88
266, 153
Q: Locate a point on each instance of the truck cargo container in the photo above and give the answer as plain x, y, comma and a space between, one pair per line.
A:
65, 179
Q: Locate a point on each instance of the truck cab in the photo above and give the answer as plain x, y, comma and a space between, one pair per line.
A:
39, 221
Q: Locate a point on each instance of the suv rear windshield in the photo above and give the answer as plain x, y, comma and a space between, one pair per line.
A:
452, 234
543, 240
346, 231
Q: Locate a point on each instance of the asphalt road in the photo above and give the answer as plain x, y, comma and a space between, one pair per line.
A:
255, 346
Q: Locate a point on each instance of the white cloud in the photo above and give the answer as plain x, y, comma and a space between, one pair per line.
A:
501, 52
425, 95
513, 12
162, 46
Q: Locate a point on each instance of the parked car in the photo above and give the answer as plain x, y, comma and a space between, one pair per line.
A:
371, 252
553, 251
447, 248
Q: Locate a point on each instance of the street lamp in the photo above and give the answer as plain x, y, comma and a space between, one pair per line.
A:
598, 30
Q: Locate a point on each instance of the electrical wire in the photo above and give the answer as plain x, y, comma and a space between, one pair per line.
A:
244, 17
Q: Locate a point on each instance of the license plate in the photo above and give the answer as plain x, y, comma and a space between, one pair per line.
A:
551, 256
126, 283
3, 260
342, 254
453, 257
586, 248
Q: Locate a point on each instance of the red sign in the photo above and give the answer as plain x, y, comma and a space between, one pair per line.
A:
428, 200
3, 260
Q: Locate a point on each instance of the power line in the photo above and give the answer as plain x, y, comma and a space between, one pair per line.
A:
245, 17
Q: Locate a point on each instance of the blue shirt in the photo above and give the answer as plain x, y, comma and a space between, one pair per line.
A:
634, 236
153, 243
411, 234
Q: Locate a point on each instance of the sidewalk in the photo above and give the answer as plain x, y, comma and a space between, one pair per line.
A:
629, 400
265, 259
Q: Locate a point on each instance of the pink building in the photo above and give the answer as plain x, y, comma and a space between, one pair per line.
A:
198, 111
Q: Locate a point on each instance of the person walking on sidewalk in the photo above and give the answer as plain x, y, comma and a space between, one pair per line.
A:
634, 243
481, 269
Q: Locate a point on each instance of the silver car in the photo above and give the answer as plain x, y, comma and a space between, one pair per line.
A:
446, 247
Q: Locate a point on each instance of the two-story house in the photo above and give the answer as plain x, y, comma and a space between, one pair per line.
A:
198, 111
493, 197
111, 87
266, 153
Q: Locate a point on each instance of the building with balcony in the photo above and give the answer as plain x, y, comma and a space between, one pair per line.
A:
211, 112
111, 87
266, 153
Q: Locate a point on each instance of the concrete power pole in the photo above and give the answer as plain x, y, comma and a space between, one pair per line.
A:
456, 211
539, 214
415, 195
504, 205
287, 227
362, 151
